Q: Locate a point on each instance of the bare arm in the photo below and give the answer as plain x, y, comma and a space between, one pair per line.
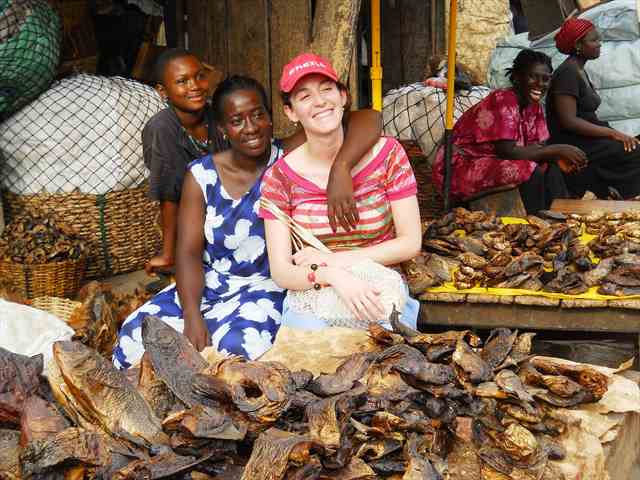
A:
508, 149
169, 226
405, 246
567, 116
358, 295
364, 129
189, 269
566, 108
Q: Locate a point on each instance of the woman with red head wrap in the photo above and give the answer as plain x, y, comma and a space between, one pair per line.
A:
572, 101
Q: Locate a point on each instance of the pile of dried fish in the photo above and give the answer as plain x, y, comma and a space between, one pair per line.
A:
597, 221
97, 320
36, 238
475, 250
616, 240
396, 412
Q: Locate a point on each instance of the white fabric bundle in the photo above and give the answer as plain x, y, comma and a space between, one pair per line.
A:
417, 112
29, 331
615, 75
83, 134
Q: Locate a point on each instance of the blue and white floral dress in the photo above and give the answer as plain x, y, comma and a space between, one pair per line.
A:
240, 303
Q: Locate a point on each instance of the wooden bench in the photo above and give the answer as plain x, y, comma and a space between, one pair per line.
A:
504, 201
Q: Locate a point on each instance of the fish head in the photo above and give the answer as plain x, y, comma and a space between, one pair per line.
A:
70, 356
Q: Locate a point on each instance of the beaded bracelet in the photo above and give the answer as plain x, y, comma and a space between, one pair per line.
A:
311, 276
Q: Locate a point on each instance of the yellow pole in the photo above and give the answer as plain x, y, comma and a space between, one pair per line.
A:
376, 64
451, 77
451, 62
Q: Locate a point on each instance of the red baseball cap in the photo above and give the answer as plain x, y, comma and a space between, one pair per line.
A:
305, 64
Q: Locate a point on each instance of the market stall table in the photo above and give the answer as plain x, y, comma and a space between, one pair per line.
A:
528, 312
583, 207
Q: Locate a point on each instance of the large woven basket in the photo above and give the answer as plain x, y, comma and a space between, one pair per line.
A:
429, 199
119, 228
62, 308
57, 279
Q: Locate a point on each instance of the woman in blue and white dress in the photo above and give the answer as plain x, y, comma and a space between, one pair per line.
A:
224, 295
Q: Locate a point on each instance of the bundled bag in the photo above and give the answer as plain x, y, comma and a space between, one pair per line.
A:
325, 303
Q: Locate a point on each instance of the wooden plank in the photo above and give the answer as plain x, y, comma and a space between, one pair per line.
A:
416, 39
529, 317
393, 68
334, 33
248, 37
354, 80
180, 6
583, 207
207, 32
290, 34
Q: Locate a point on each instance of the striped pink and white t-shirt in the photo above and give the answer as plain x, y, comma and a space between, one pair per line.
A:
383, 176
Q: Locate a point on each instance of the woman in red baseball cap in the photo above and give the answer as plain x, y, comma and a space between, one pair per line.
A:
572, 102
388, 231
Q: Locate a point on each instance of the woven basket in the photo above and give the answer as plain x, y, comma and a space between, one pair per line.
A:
62, 308
57, 279
119, 229
429, 199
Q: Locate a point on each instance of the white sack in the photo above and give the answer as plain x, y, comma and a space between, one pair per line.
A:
615, 75
83, 134
417, 112
29, 331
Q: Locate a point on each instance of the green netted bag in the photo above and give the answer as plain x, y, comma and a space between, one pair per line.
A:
30, 34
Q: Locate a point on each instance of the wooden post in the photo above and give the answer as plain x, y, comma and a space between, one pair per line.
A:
207, 32
248, 40
179, 26
334, 33
290, 32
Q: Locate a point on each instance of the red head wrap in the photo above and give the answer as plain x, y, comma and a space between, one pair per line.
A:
572, 30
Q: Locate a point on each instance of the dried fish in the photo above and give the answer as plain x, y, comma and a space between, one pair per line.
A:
10, 455
439, 267
39, 420
587, 376
414, 366
155, 391
262, 391
418, 466
561, 385
350, 371
19, 379
497, 459
523, 263
472, 260
419, 275
531, 414
357, 469
498, 346
382, 336
204, 422
567, 281
104, 395
72, 444
173, 357
490, 390
164, 465
517, 441
33, 237
584, 396
511, 384
273, 452
471, 363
